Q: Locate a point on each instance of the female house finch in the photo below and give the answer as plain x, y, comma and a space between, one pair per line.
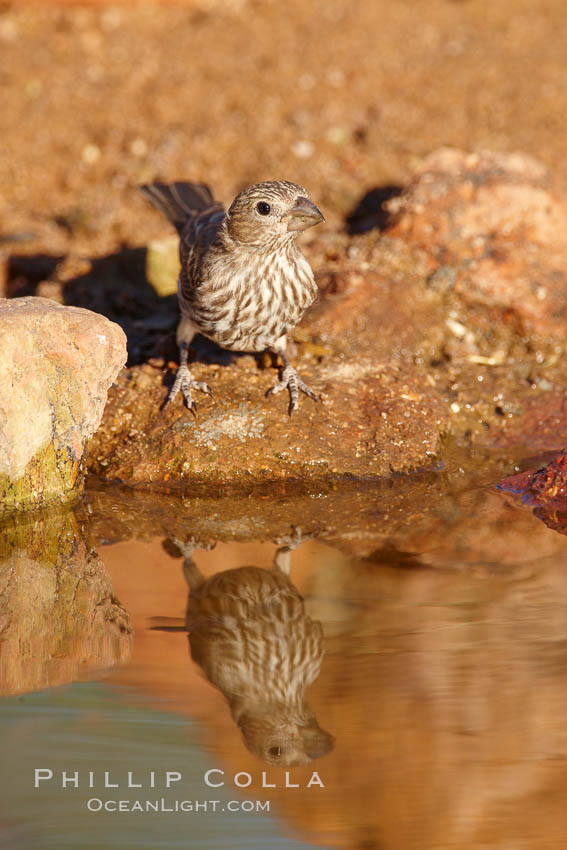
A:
243, 282
250, 633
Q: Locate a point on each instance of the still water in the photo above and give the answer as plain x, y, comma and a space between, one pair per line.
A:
394, 675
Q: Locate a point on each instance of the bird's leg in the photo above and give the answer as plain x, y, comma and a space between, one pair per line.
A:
290, 380
184, 380
194, 578
282, 560
191, 573
282, 556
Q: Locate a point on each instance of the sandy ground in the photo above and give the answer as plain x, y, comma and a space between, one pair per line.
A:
338, 96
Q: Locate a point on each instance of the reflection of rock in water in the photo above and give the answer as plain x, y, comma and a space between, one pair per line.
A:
59, 618
249, 631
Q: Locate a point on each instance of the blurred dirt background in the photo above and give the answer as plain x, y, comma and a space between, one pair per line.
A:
338, 96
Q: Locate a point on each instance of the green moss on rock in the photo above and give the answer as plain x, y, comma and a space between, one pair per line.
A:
53, 474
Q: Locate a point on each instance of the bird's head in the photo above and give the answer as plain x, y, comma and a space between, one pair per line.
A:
279, 736
267, 212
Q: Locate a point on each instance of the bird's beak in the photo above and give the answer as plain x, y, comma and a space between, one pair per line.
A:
304, 214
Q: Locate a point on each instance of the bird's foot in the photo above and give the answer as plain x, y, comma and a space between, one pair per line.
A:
185, 382
291, 381
295, 539
184, 548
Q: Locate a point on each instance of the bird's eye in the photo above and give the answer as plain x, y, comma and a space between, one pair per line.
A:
275, 752
263, 208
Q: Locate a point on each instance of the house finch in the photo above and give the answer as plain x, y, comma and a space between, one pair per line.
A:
249, 631
243, 282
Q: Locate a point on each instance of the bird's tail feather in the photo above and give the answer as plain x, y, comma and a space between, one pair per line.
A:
178, 201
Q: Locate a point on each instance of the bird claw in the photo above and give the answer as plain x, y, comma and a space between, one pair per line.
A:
187, 547
292, 382
185, 382
295, 539
202, 387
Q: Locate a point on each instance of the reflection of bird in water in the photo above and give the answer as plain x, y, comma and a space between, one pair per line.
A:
249, 631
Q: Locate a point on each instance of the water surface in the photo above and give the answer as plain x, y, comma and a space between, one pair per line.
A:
423, 683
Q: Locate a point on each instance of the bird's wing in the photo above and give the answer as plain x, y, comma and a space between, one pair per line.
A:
198, 234
178, 201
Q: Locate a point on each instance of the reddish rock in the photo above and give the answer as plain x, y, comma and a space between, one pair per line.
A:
545, 490
371, 421
546, 486
495, 230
